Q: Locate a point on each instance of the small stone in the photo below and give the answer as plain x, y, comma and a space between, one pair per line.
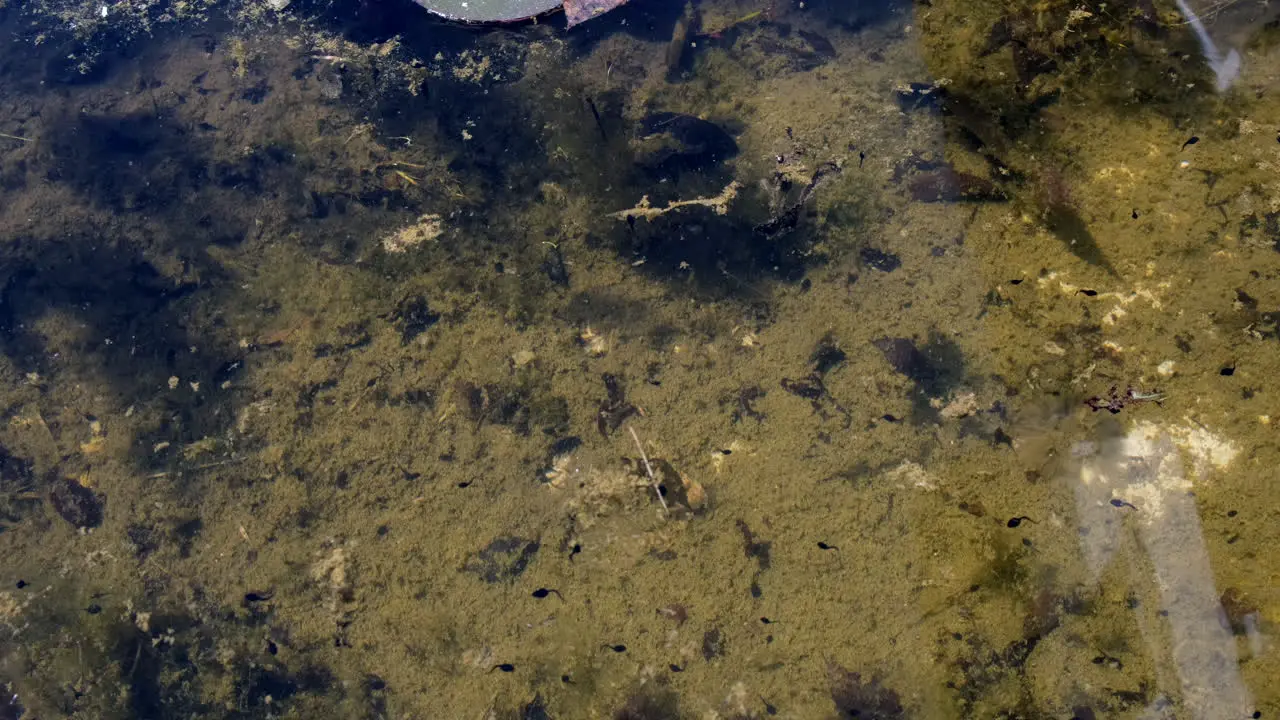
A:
173, 382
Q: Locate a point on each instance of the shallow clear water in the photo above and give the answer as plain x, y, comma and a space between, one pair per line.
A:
741, 359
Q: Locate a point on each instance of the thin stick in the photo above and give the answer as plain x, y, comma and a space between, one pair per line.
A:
648, 469
14, 137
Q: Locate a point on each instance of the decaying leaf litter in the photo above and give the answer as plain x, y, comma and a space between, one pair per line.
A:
318, 448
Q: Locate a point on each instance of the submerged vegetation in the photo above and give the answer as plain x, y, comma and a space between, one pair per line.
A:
732, 358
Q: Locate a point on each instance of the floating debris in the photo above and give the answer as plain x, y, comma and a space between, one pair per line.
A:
578, 11
482, 11
488, 11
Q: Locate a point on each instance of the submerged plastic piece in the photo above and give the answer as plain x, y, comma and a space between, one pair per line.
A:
484, 11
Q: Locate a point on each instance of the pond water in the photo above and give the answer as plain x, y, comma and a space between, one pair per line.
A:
736, 359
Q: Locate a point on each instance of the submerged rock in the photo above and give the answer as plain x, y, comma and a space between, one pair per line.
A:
76, 503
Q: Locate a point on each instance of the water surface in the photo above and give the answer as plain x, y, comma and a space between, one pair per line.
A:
740, 359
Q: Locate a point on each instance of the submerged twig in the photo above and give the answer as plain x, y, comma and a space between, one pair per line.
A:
648, 469
718, 204
197, 468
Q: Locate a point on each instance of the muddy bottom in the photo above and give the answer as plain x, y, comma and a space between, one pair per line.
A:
735, 360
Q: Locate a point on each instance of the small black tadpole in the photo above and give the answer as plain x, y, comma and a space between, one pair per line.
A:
767, 621
675, 668
1190, 141
769, 709
599, 123
617, 648
1015, 522
1117, 502
825, 546
543, 592
504, 667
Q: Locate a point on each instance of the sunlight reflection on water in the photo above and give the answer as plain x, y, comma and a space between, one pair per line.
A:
1140, 476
